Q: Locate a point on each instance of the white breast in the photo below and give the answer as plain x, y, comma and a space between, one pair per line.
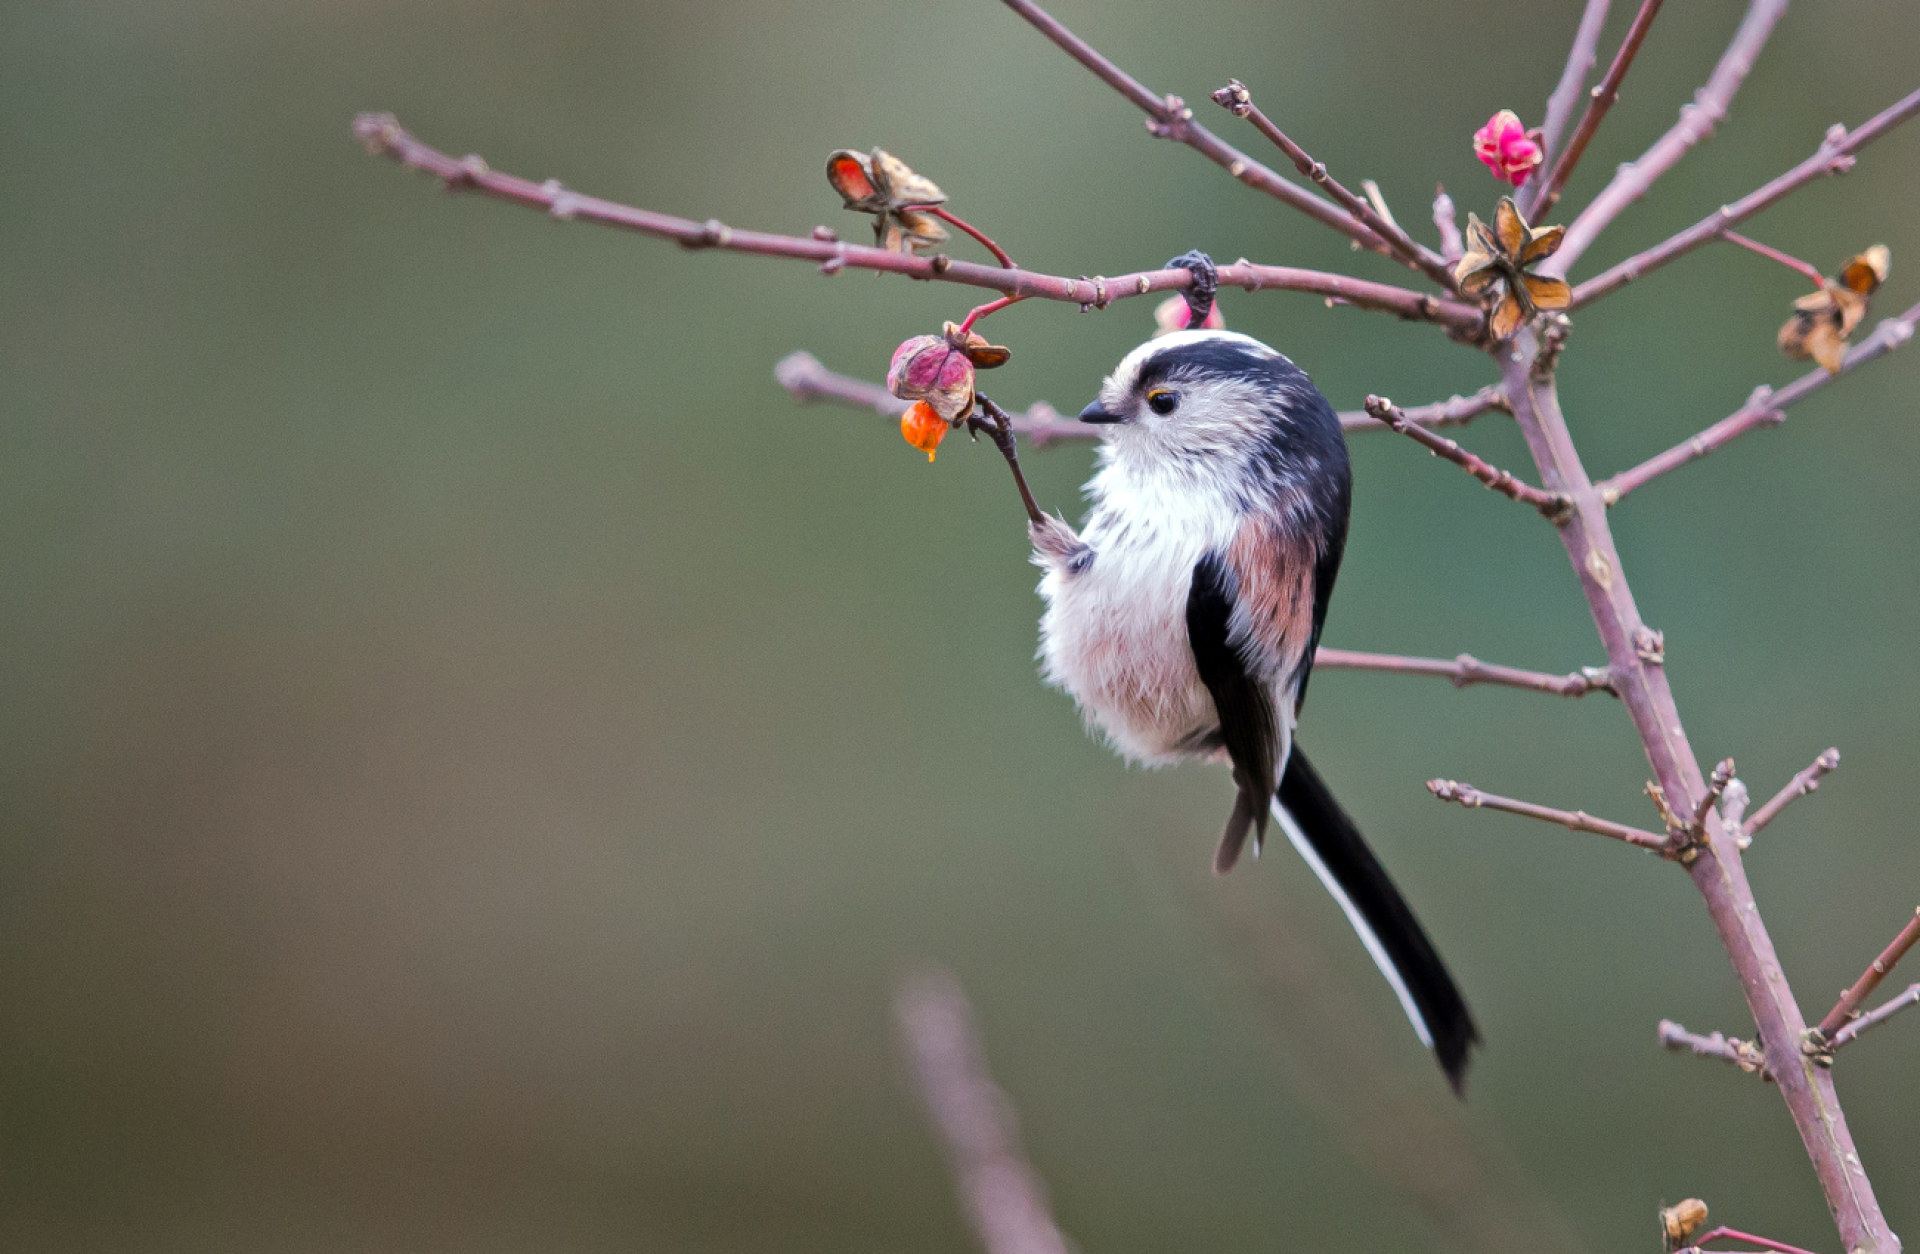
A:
1114, 636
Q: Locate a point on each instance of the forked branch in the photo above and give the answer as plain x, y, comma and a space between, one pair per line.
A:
1602, 100
1877, 1016
1746, 1055
1821, 1037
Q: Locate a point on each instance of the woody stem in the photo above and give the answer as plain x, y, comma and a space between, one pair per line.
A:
1774, 254
952, 219
980, 311
999, 429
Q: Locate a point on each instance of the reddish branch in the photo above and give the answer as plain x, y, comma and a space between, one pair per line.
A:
1797, 787
382, 134
1734, 1234
1602, 100
1551, 504
1697, 121
1874, 1018
1835, 155
1235, 99
1851, 1000
1466, 670
1576, 820
1765, 408
1743, 1054
1566, 95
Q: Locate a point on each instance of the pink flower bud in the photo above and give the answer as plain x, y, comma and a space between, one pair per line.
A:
928, 368
1505, 147
1173, 315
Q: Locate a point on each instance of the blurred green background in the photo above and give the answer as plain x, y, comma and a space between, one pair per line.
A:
476, 758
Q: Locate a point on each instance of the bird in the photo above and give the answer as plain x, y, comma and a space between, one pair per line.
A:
1183, 615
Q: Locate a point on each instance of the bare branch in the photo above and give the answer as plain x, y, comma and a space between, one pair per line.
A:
1602, 100
382, 134
1553, 505
1447, 223
1765, 408
1850, 1002
1874, 1018
1465, 671
1576, 820
1799, 786
1456, 411
1235, 99
1724, 1233
1566, 96
1697, 121
1002, 1195
1836, 155
1745, 1055
1696, 831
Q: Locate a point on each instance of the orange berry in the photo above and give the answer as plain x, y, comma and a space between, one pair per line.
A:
923, 428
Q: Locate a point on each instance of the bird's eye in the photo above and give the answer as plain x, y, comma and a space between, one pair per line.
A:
1163, 400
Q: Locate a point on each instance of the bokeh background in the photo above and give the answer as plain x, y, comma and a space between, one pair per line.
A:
475, 759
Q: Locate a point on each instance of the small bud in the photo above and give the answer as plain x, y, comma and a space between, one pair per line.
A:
928, 368
923, 428
1682, 1220
1504, 146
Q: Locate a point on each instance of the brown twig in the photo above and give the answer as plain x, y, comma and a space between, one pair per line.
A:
1821, 1037
1235, 99
1465, 671
1552, 505
1602, 100
1910, 996
1836, 155
998, 427
382, 134
1002, 1195
1799, 786
1575, 820
1566, 94
1745, 1055
1765, 408
1697, 121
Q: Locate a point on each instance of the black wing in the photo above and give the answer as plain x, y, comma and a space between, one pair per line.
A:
1248, 727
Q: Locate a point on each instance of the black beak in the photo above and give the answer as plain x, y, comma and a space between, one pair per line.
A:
1096, 412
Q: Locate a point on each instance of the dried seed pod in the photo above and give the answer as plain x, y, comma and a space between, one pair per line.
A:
929, 368
1682, 1220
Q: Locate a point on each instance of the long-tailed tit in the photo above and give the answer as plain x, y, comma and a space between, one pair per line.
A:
1183, 617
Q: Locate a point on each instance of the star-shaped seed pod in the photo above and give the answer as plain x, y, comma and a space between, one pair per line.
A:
881, 184
1497, 268
1823, 320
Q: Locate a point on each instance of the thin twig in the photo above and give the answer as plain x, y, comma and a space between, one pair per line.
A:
1455, 411
1576, 820
1734, 1234
1746, 1055
1765, 408
1602, 100
1877, 1016
382, 134
1551, 504
1717, 782
1566, 95
1851, 1000
1169, 118
1788, 260
1799, 786
998, 426
1002, 1195
1447, 223
1697, 121
947, 216
1465, 671
1235, 99
1836, 155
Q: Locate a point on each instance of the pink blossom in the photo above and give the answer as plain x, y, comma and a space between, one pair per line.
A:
1505, 147
1172, 315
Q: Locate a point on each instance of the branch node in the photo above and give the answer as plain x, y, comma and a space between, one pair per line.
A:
1650, 646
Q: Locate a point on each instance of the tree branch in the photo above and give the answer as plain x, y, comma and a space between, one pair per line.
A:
1765, 408
1235, 99
1566, 95
1820, 1039
1465, 671
1598, 104
1836, 155
1575, 820
1799, 786
1874, 1018
1697, 121
382, 134
1552, 505
1745, 1055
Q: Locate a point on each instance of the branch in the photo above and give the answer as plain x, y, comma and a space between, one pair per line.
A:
1697, 121
1465, 671
1447, 223
1169, 118
1696, 831
1724, 1233
1580, 59
1799, 786
1850, 1001
1765, 408
1835, 155
1552, 505
1576, 820
805, 379
1235, 99
1602, 100
1745, 1055
382, 134
1003, 1196
1874, 1018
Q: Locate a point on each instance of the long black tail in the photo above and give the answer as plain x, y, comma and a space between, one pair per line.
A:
1338, 854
